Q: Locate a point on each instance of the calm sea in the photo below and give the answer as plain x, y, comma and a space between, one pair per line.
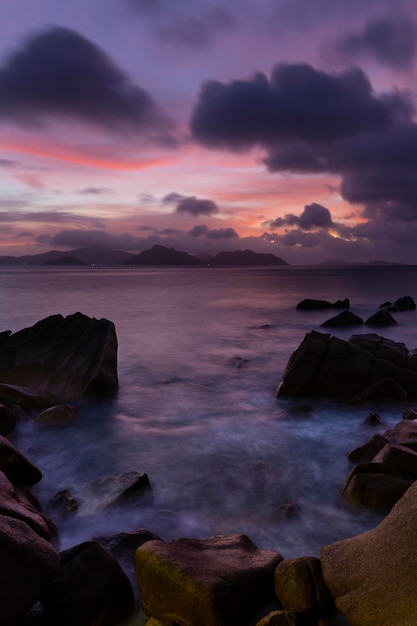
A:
201, 352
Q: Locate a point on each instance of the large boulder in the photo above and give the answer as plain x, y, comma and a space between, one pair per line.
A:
90, 589
310, 304
30, 563
345, 319
17, 467
69, 356
372, 576
220, 581
327, 366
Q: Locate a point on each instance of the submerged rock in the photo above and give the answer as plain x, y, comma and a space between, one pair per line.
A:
345, 319
381, 319
406, 303
69, 356
315, 305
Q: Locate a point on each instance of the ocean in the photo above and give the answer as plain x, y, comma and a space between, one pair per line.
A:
201, 352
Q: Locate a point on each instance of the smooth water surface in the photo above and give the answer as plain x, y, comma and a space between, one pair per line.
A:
201, 351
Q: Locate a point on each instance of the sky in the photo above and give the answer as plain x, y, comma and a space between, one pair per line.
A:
280, 126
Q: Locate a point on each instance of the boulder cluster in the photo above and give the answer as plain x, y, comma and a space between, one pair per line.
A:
224, 580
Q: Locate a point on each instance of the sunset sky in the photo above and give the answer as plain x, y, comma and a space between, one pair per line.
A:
283, 126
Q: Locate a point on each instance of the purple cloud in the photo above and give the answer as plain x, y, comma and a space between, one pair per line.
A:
60, 72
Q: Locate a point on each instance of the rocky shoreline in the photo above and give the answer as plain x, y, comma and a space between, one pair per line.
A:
224, 580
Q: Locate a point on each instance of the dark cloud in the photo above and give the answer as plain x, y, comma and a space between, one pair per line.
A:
298, 103
50, 217
59, 72
219, 233
8, 163
313, 216
86, 238
173, 198
310, 122
392, 42
196, 206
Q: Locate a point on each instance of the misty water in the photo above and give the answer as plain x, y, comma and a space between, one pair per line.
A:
201, 352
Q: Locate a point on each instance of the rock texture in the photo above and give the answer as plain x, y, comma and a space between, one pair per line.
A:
220, 581
69, 356
91, 588
373, 576
365, 367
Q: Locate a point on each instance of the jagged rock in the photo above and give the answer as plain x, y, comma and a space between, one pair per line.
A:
16, 466
381, 319
218, 581
372, 575
326, 366
366, 452
60, 415
410, 414
61, 504
91, 588
376, 485
314, 305
402, 458
124, 488
8, 420
70, 357
406, 303
345, 319
299, 586
383, 390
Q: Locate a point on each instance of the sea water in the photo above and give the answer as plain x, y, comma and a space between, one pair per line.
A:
201, 352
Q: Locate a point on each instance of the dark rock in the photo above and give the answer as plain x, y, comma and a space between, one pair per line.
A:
345, 319
27, 397
17, 467
373, 419
91, 588
315, 305
71, 357
127, 487
372, 575
406, 303
410, 414
60, 415
30, 563
61, 504
366, 452
8, 420
326, 366
278, 618
381, 319
218, 581
299, 585
376, 485
400, 457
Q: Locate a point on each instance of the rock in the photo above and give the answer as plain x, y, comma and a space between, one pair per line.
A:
61, 504
30, 564
384, 390
91, 588
19, 504
381, 319
60, 415
70, 357
314, 305
8, 420
373, 419
372, 575
124, 488
299, 586
410, 414
358, 369
218, 581
277, 618
27, 397
400, 457
17, 467
377, 486
345, 319
366, 452
406, 303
